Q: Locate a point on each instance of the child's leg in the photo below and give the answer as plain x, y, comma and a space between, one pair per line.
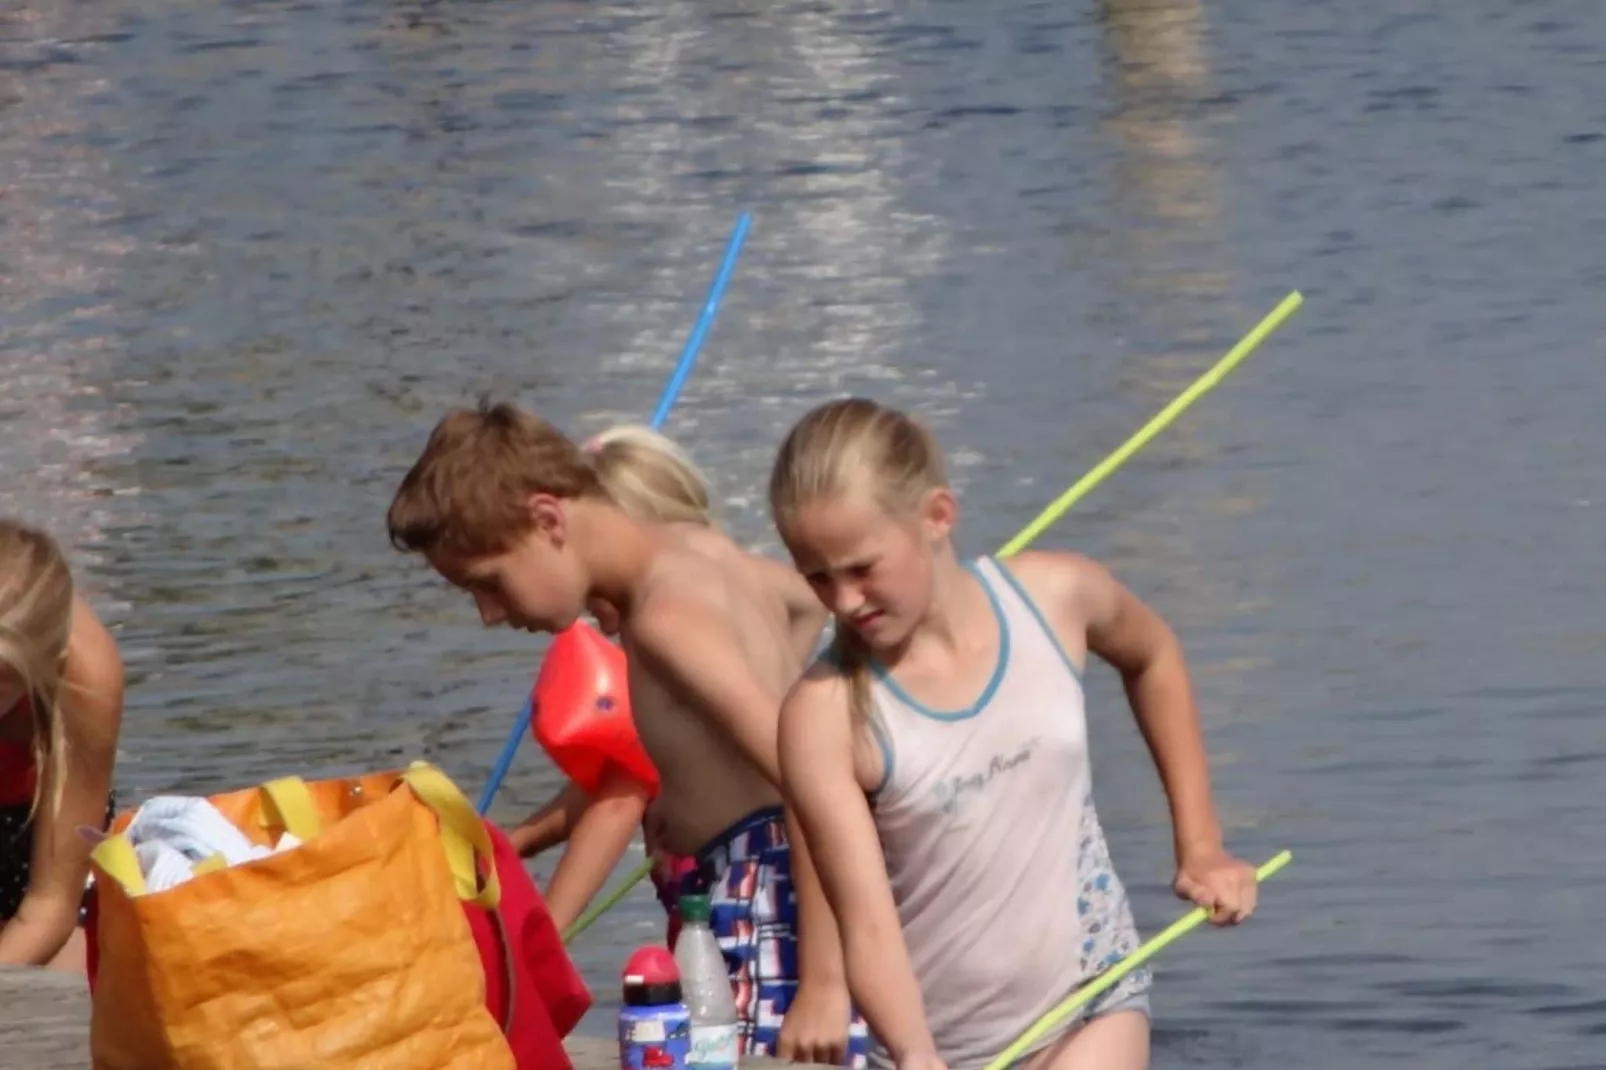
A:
1116, 1041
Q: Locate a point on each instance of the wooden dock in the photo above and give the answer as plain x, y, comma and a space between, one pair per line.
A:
44, 1025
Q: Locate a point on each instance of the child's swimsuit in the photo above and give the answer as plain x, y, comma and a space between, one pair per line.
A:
746, 872
1005, 891
18, 782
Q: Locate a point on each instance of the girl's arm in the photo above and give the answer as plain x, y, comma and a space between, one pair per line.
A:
826, 792
552, 824
91, 708
597, 840
1119, 628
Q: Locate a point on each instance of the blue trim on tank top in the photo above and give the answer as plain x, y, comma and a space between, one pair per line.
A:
1042, 621
992, 684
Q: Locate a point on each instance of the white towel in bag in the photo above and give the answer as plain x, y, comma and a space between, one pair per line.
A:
170, 834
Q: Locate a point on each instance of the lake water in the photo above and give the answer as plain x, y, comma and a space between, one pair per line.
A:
249, 252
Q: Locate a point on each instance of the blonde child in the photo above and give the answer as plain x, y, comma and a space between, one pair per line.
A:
61, 707
937, 760
507, 508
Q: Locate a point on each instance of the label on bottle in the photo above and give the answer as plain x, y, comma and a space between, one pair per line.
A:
714, 1047
654, 1038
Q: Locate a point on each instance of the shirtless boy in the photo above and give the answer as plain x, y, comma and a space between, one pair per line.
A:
505, 507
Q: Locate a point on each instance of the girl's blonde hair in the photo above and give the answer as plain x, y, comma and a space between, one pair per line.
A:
649, 476
36, 600
848, 445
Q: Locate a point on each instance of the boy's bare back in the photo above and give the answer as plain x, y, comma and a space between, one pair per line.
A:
714, 642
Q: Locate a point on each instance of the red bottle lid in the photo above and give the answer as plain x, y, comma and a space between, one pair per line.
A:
651, 977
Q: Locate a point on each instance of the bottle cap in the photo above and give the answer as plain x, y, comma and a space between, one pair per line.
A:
694, 908
651, 977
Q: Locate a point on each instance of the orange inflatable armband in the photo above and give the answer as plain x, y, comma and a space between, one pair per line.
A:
582, 710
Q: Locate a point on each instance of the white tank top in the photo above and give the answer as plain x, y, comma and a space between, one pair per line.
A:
1004, 887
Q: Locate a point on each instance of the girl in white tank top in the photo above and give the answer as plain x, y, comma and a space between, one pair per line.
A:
939, 754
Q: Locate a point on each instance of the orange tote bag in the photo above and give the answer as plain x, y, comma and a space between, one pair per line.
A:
348, 951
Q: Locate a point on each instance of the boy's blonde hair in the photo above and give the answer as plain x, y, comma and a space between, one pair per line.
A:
36, 602
649, 476
467, 493
844, 446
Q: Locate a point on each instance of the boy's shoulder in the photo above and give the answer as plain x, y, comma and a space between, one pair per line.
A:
686, 590
705, 566
683, 574
691, 550
682, 595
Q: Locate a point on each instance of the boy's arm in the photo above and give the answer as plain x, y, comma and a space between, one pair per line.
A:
1138, 644
596, 843
697, 651
552, 824
820, 785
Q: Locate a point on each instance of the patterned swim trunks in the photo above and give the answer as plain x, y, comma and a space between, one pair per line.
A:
746, 872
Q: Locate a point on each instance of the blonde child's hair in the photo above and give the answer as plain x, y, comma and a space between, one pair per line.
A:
649, 476
36, 601
844, 446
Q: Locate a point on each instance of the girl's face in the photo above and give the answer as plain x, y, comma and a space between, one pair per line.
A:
872, 570
536, 585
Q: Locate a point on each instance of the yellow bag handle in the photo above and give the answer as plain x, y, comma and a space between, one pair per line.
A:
289, 804
210, 864
115, 856
463, 834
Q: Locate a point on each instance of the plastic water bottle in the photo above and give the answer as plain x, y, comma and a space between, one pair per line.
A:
654, 1024
715, 1039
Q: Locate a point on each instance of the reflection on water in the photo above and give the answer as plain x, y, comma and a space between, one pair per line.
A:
822, 301
56, 270
248, 253
1179, 268
1167, 177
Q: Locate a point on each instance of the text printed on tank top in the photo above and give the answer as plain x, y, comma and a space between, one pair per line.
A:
955, 792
